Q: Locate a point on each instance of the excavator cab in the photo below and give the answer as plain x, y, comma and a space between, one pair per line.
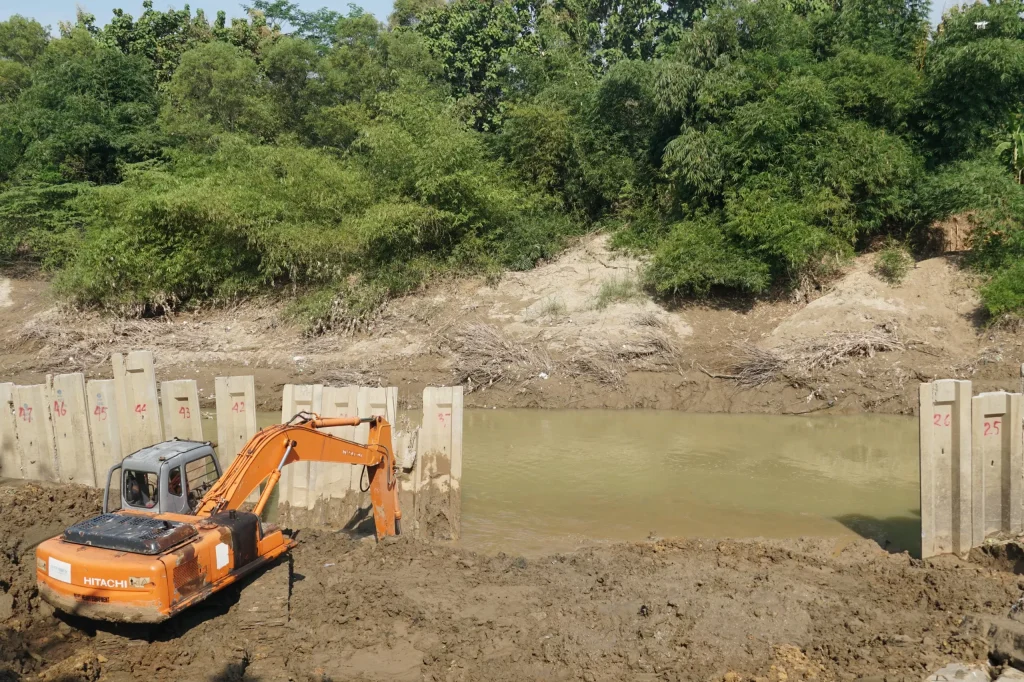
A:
170, 477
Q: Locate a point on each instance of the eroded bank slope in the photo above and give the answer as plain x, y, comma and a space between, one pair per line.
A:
572, 333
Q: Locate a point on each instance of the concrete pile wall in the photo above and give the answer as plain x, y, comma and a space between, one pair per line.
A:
972, 464
430, 457
70, 430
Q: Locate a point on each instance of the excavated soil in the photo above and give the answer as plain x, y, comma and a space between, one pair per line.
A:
412, 610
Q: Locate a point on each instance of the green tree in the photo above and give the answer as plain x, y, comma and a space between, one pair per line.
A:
22, 40
474, 40
217, 87
294, 78
975, 72
89, 108
161, 37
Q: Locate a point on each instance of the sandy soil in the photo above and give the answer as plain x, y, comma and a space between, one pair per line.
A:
412, 610
560, 343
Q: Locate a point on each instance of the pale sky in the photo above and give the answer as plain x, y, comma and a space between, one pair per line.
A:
49, 12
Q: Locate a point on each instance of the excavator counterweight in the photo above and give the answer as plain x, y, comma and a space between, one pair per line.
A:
169, 547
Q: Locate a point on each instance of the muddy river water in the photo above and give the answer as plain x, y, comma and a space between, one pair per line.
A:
541, 481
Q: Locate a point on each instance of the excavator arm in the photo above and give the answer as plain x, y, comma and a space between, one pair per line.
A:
273, 448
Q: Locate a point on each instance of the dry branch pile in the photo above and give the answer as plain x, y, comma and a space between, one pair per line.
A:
755, 366
483, 356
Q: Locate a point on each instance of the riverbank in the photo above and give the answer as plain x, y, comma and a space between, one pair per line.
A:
573, 333
411, 610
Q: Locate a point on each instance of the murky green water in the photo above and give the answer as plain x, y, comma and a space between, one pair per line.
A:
539, 480
550, 480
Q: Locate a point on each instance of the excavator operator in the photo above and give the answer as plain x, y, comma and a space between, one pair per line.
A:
136, 493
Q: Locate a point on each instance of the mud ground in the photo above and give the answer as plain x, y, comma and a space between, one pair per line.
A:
412, 610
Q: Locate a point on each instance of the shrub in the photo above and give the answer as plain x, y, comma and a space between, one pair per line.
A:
893, 262
696, 256
1003, 295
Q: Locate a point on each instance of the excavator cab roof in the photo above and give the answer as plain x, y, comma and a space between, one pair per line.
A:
167, 477
152, 458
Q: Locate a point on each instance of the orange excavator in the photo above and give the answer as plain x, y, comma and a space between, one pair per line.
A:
180, 533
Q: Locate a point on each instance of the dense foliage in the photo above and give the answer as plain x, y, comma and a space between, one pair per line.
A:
166, 160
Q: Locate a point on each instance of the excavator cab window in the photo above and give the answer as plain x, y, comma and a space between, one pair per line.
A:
200, 475
141, 489
174, 482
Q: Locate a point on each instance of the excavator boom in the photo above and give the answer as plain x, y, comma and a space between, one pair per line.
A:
263, 458
139, 566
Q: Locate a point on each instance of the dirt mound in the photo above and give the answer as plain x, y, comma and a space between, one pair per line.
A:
933, 305
409, 610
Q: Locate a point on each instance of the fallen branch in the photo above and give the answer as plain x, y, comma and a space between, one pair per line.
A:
719, 376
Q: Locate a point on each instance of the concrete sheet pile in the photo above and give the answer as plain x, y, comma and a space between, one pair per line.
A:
972, 463
430, 456
68, 430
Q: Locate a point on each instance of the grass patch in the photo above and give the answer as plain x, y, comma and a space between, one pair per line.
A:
553, 308
893, 262
616, 290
